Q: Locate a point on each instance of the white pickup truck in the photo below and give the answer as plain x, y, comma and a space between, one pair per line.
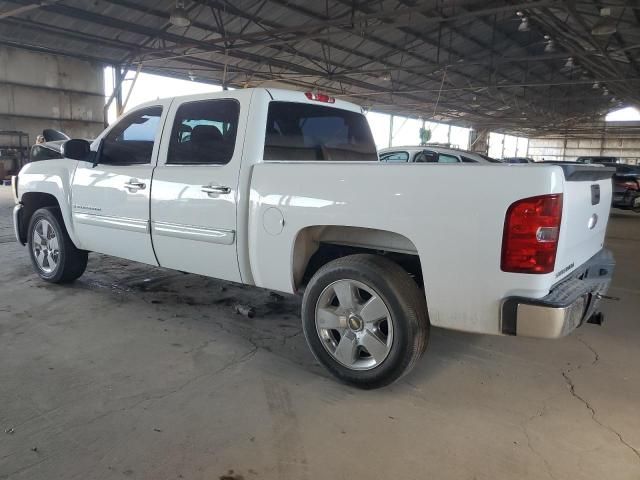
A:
283, 190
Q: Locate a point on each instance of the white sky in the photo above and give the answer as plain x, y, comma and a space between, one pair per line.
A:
624, 114
151, 87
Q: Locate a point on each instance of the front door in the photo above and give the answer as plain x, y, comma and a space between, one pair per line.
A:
111, 199
195, 187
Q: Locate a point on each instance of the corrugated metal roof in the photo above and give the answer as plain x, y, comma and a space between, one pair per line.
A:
464, 61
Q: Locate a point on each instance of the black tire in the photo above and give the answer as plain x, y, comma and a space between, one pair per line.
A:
71, 262
404, 302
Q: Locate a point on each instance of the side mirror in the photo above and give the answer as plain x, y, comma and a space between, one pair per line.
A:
76, 149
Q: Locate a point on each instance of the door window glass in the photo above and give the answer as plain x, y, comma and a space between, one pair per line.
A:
444, 158
429, 156
131, 140
395, 157
204, 132
426, 156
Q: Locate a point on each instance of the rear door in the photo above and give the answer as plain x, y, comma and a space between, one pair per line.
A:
195, 186
110, 200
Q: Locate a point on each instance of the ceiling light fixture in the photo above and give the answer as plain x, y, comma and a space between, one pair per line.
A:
605, 24
179, 16
524, 22
569, 63
595, 85
550, 46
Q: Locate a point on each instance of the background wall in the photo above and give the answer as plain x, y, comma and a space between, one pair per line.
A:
627, 147
39, 91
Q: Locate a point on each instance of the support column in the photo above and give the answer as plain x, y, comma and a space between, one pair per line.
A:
391, 131
119, 77
479, 140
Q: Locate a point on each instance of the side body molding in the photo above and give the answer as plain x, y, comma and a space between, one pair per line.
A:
188, 232
120, 223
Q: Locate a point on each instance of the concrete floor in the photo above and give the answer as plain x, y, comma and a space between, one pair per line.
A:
140, 372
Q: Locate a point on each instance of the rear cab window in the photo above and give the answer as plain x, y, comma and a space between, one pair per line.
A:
304, 132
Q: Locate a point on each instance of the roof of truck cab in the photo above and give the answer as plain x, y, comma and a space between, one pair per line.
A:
276, 94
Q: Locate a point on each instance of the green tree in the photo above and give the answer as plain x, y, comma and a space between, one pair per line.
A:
425, 136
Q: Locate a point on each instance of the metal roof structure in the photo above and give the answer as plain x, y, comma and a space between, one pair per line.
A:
526, 67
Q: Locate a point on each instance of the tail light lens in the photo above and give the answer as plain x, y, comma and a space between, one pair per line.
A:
531, 231
320, 97
630, 185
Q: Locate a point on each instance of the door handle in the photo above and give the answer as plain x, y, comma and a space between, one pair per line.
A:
215, 189
134, 184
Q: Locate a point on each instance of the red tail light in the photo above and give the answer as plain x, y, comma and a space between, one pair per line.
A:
630, 185
320, 97
531, 231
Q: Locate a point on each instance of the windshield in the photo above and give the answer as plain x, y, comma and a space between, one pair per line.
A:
304, 132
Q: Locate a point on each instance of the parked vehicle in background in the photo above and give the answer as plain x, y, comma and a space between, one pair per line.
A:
431, 154
46, 151
517, 160
598, 159
49, 147
626, 187
625, 183
284, 190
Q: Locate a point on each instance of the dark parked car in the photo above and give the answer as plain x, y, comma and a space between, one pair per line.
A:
598, 159
46, 151
626, 186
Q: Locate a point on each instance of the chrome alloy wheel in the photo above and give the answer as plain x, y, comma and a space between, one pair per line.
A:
46, 249
354, 324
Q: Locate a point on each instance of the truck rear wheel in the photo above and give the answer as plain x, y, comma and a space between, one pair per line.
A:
365, 320
53, 255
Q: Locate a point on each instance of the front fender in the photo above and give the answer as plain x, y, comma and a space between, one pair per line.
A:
53, 177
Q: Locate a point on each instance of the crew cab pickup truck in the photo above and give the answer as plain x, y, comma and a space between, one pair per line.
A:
283, 190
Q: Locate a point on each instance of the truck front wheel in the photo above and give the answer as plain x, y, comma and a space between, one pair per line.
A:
53, 255
365, 320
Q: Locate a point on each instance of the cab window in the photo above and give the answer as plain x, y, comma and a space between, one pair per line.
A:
305, 132
130, 141
204, 133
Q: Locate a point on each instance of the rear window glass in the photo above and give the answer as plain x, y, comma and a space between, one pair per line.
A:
303, 132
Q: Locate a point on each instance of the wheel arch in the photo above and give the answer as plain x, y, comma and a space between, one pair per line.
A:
33, 201
315, 246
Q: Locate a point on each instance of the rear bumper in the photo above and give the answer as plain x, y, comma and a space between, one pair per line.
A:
567, 306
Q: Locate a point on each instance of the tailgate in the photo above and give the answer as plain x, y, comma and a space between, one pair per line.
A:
585, 213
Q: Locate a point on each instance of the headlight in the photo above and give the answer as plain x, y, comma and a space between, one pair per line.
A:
14, 188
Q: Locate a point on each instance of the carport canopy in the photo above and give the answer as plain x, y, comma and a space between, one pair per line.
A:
525, 68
